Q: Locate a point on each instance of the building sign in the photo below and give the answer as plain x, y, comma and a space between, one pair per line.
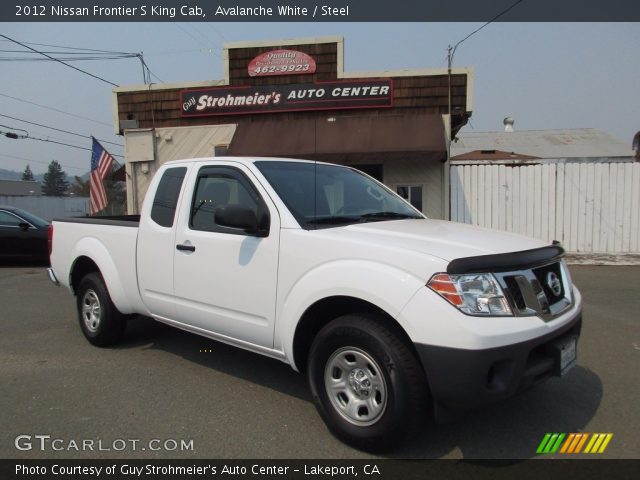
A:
281, 62
286, 98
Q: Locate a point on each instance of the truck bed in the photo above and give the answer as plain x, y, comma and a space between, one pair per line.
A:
116, 220
110, 243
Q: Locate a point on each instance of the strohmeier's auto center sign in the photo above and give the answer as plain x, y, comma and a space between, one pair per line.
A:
285, 98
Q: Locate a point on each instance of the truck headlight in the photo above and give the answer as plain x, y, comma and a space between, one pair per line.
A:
474, 294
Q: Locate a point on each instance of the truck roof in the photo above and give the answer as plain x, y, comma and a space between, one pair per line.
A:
244, 160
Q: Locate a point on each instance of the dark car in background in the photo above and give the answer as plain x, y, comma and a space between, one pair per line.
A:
23, 235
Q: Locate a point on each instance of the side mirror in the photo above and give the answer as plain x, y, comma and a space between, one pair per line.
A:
238, 216
24, 226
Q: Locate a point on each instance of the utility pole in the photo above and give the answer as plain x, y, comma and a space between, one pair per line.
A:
446, 174
451, 51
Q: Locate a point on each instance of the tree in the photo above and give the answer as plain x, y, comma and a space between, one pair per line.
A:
80, 188
116, 194
27, 175
55, 181
117, 197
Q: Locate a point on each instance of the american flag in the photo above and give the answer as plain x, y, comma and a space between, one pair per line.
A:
101, 162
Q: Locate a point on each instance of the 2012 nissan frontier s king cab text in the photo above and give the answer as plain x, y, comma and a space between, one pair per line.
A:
390, 314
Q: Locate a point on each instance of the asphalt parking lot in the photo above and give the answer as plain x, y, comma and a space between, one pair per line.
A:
167, 385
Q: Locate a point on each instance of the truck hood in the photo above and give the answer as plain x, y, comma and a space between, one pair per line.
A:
438, 238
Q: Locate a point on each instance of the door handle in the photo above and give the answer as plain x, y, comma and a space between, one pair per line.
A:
186, 248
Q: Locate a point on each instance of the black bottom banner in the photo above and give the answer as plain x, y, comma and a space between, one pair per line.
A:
377, 469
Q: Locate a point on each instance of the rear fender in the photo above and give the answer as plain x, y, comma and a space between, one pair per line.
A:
93, 249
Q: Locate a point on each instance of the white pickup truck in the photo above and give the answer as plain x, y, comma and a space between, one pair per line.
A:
390, 314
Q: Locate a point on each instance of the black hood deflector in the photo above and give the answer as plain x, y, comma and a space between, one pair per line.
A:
506, 262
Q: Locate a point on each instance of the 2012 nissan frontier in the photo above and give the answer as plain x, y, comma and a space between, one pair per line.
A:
391, 315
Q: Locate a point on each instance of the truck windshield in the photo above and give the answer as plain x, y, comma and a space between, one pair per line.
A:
343, 195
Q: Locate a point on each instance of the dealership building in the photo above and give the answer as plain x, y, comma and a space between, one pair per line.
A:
292, 98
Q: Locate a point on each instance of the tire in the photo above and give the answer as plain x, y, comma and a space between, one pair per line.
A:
366, 382
100, 321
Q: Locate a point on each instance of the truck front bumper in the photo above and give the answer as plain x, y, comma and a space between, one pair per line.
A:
464, 379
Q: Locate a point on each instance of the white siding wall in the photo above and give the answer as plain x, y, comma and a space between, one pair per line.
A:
175, 143
49, 208
590, 207
428, 174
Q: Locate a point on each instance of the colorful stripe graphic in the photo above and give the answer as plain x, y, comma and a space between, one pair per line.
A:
574, 443
598, 442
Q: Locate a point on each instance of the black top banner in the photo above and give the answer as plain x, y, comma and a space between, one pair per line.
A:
320, 11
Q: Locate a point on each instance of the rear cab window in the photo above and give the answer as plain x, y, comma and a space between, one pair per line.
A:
165, 202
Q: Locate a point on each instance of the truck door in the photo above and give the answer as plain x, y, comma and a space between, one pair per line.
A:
225, 279
156, 243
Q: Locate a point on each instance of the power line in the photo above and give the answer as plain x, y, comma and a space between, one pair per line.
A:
199, 32
28, 134
59, 129
13, 135
217, 31
451, 51
144, 64
56, 110
67, 145
68, 48
484, 25
66, 59
80, 52
209, 49
178, 52
60, 61
188, 33
41, 161
27, 137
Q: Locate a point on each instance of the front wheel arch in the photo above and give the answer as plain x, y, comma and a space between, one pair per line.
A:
319, 314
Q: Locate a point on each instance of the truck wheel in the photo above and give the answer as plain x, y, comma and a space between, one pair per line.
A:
101, 322
366, 383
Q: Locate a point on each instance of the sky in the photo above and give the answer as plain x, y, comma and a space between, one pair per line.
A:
544, 75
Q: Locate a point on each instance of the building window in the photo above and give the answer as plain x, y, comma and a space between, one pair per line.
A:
412, 193
220, 150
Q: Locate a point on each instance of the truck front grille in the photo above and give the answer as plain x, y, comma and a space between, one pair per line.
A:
544, 291
514, 293
544, 274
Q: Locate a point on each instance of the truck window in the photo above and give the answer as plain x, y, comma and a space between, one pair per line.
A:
166, 199
342, 195
219, 187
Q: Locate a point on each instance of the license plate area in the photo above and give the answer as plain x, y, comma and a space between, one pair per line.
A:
565, 354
